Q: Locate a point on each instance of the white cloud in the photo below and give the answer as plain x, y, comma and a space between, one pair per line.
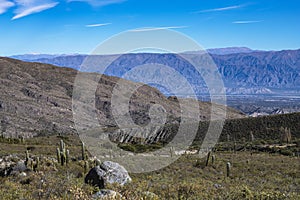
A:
28, 7
221, 9
245, 22
99, 2
156, 28
97, 25
5, 5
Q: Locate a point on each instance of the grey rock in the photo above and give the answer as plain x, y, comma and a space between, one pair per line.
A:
22, 174
19, 168
95, 177
107, 194
217, 185
11, 165
107, 172
150, 195
115, 173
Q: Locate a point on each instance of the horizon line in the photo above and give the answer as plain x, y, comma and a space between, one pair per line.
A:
188, 51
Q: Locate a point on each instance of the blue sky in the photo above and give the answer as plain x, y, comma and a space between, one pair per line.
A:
78, 26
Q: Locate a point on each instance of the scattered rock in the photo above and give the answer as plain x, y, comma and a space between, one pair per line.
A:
107, 194
5, 172
217, 185
150, 195
11, 165
22, 174
19, 168
115, 173
95, 177
107, 172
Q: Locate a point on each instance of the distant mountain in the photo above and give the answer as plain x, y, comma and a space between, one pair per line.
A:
273, 69
32, 57
225, 51
230, 50
36, 99
217, 51
243, 70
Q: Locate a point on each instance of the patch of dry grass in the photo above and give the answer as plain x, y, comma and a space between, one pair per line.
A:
253, 176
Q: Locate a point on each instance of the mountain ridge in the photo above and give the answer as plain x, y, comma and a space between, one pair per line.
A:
255, 72
36, 99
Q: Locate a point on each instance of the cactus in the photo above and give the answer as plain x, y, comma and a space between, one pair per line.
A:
251, 136
37, 161
62, 145
27, 159
290, 135
213, 159
234, 147
83, 151
58, 154
67, 156
228, 169
36, 165
31, 164
207, 159
63, 155
286, 136
86, 166
228, 138
62, 158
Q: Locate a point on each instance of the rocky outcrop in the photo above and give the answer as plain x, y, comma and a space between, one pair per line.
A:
149, 135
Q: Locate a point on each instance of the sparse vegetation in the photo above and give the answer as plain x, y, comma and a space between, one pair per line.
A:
253, 175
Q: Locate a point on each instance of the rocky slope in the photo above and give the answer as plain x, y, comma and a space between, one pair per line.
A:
261, 69
36, 99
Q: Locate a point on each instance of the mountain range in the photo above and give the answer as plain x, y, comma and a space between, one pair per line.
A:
244, 71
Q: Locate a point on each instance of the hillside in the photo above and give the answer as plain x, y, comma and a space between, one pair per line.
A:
36, 99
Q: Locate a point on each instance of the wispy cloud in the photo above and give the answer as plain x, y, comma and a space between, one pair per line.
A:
99, 2
156, 28
28, 7
246, 22
97, 25
220, 9
5, 5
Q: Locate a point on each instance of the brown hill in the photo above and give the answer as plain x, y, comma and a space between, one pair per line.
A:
36, 99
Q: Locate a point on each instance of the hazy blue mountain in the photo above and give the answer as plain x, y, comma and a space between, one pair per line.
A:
226, 51
32, 57
263, 69
216, 51
230, 50
244, 71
